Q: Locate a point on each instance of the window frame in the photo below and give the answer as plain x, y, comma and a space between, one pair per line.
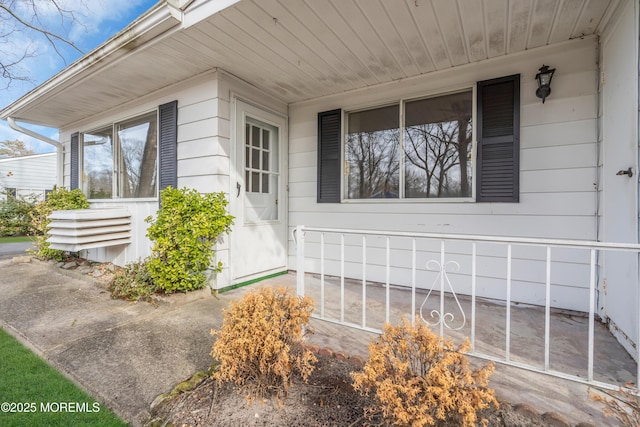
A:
401, 102
116, 187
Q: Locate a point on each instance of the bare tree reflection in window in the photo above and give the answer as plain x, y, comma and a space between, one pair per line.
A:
438, 145
372, 154
138, 142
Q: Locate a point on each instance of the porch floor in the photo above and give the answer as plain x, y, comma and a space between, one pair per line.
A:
568, 341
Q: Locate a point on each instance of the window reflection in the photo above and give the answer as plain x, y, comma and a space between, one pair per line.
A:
437, 146
131, 157
138, 143
97, 180
372, 154
434, 152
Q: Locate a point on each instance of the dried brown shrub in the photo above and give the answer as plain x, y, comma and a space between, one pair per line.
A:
623, 405
419, 379
259, 345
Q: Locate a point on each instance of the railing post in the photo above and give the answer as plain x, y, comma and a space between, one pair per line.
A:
442, 269
322, 275
547, 312
387, 281
473, 297
299, 233
592, 308
342, 278
364, 281
508, 302
413, 281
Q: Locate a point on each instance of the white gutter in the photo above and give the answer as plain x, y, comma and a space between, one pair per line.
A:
13, 125
154, 22
59, 147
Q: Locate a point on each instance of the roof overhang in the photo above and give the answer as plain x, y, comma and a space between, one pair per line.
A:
140, 33
296, 50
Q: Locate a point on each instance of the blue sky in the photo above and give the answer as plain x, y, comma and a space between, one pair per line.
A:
97, 21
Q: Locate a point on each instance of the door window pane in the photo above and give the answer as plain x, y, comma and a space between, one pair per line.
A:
255, 182
97, 168
438, 146
255, 136
373, 154
255, 159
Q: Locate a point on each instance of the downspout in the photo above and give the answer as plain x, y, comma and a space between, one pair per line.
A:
59, 147
597, 184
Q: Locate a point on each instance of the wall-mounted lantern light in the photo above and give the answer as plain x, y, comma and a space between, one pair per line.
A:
543, 78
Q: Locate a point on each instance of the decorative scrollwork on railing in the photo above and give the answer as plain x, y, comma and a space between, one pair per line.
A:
440, 316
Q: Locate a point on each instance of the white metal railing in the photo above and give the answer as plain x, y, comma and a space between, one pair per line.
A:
443, 287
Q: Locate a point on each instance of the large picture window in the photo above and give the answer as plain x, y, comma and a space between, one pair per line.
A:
120, 161
427, 155
424, 148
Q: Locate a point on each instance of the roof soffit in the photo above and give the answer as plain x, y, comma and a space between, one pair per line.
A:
297, 50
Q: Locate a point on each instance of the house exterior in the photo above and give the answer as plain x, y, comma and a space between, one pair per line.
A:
28, 176
417, 115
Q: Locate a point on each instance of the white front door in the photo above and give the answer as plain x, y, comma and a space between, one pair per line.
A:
259, 235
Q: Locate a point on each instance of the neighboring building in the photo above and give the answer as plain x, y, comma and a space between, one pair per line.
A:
28, 176
416, 116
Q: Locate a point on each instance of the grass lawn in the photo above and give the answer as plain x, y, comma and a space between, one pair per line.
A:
15, 239
32, 393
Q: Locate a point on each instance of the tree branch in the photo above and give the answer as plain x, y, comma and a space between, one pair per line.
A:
48, 34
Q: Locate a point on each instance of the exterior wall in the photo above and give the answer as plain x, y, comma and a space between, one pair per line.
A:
202, 155
29, 175
204, 150
557, 175
619, 148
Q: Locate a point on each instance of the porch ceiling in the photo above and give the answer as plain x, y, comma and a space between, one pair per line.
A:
303, 49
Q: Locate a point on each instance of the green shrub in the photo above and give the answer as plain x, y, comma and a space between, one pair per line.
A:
418, 379
184, 232
132, 283
259, 346
15, 214
58, 199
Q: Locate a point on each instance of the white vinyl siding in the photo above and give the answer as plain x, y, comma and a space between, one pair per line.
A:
29, 174
557, 163
202, 156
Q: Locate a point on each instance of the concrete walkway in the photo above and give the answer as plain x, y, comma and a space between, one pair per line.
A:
9, 250
126, 354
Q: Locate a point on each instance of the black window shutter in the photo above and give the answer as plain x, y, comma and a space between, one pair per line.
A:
168, 145
329, 125
75, 161
498, 122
